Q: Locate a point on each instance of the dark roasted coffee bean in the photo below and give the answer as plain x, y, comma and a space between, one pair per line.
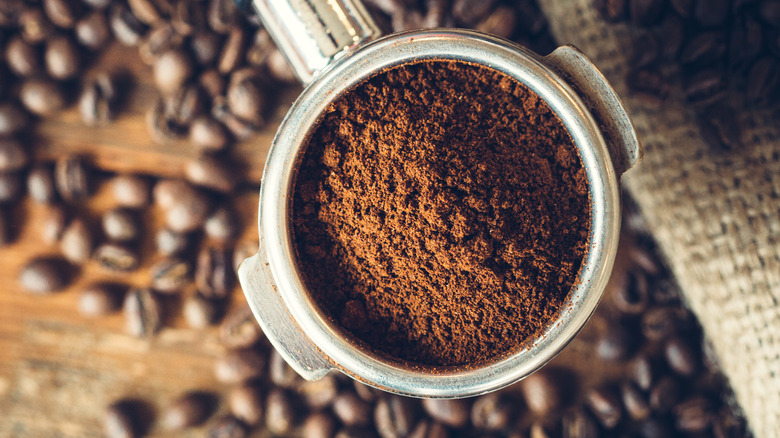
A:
544, 428
92, 31
159, 40
711, 13
143, 313
161, 124
208, 135
671, 35
280, 68
646, 12
501, 22
720, 128
76, 242
661, 322
118, 422
63, 13
246, 404
222, 15
211, 173
186, 104
612, 10
769, 11
605, 405
170, 275
212, 82
469, 12
646, 51
13, 157
259, 48
199, 312
240, 128
97, 4
694, 415
62, 58
279, 413
53, 224
188, 17
98, 300
318, 394
127, 29
190, 409
13, 119
72, 177
541, 392
171, 70
205, 47
11, 187
705, 87
319, 425
35, 26
170, 242
429, 429
117, 258
763, 79
406, 19
43, 275
491, 412
664, 394
188, 213
22, 59
121, 225
631, 295
222, 225
453, 413
655, 428
214, 274
578, 424
395, 417
98, 101
615, 342
634, 401
352, 410
649, 85
42, 96
239, 366
703, 49
366, 392
227, 427
233, 51
681, 356
150, 11
745, 42
684, 8
245, 97
280, 373
131, 191
726, 424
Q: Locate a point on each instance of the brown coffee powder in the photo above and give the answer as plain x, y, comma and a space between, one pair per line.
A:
440, 213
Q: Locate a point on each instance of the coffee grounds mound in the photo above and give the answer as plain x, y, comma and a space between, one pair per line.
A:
440, 213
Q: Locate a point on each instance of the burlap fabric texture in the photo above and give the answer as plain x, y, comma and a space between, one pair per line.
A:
714, 213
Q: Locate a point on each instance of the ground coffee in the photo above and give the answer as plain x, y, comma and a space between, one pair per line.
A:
440, 213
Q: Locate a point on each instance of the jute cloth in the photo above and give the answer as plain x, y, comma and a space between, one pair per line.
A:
714, 214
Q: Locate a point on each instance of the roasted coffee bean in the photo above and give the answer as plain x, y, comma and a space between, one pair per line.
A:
683, 7
655, 428
615, 343
188, 213
227, 427
727, 425
681, 356
62, 58
660, 323
208, 135
199, 312
664, 394
394, 417
646, 12
35, 26
214, 274
205, 47
222, 225
143, 313
245, 97
161, 124
159, 40
491, 412
319, 425
406, 19
212, 82
541, 392
244, 250
763, 79
612, 10
211, 173
186, 104
240, 128
351, 409
22, 58
703, 49
671, 34
92, 31
705, 87
694, 415
631, 295
239, 366
453, 413
246, 404
121, 225
170, 242
280, 373
98, 101
118, 422
544, 428
131, 191
42, 97
259, 48
63, 13
98, 300
366, 392
72, 177
76, 242
190, 409
634, 401
469, 12
605, 405
43, 275
116, 257
222, 15
647, 84
11, 187
97, 4
711, 13
127, 29
318, 394
429, 429
170, 275
280, 69
232, 52
719, 128
150, 11
578, 424
188, 17
53, 224
171, 70
501, 22
13, 119
13, 157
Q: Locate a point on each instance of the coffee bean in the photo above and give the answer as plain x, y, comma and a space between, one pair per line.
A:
240, 128
214, 274
127, 29
711, 13
664, 394
366, 392
159, 40
10, 187
232, 52
469, 12
694, 415
22, 58
578, 424
42, 97
640, 371
634, 401
683, 7
188, 17
763, 79
727, 425
705, 87
351, 409
212, 173
655, 428
118, 422
615, 343
93, 31
681, 356
227, 427
161, 124
190, 409
429, 429
13, 156
121, 225
171, 70
206, 47
660, 323
117, 258
319, 425
632, 296
646, 12
43, 275
491, 412
62, 58
131, 191
259, 48
280, 68
671, 33
318, 394
280, 373
76, 242
97, 103
647, 84
150, 11
222, 225
53, 224
35, 26
605, 405
72, 177
62, 13
246, 404
244, 250
199, 312
208, 135
170, 275
97, 4
97, 300
501, 22
186, 104
703, 49
212, 82
186, 208
453, 413
239, 366
544, 429
245, 98
13, 119
541, 392
170, 242
394, 417
222, 15
405, 19
40, 185
143, 313
612, 10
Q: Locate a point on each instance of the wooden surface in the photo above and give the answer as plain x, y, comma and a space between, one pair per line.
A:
58, 369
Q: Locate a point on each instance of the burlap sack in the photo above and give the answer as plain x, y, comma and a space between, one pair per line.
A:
715, 215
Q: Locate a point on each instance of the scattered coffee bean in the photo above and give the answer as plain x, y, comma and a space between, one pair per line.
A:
127, 29
170, 243
280, 69
227, 427
222, 225
93, 31
40, 185
118, 422
98, 300
239, 366
211, 173
214, 275
53, 224
632, 296
97, 103
280, 373
206, 47
694, 415
366, 392
188, 17
318, 394
634, 401
186, 208
150, 11
491, 412
35, 26
615, 343
222, 15
429, 429
62, 13
121, 225
22, 59
246, 404
131, 191
161, 124
259, 48
199, 312
212, 83
279, 413
207, 134
11, 187
394, 417
319, 425
62, 58
43, 275
13, 119
143, 313
13, 157
680, 356
171, 71
76, 242
664, 394
245, 98
604, 403
42, 97
190, 409
578, 424
541, 392
185, 104
453, 413
117, 258
170, 275
640, 370
73, 179
232, 52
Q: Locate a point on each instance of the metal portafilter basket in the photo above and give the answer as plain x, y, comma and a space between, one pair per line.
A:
333, 45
